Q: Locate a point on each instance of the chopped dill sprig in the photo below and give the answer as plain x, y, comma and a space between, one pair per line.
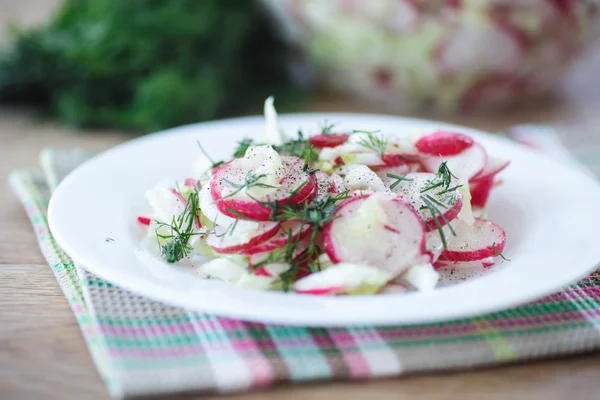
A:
498, 253
314, 217
242, 147
443, 179
442, 183
373, 141
213, 162
398, 180
181, 229
250, 180
326, 128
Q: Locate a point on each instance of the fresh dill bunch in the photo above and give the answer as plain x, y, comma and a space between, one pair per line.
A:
398, 180
443, 179
327, 128
373, 141
181, 229
242, 147
299, 147
250, 180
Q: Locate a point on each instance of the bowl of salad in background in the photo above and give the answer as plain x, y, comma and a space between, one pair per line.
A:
449, 55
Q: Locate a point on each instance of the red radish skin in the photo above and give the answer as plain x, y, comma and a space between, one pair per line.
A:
337, 184
397, 251
254, 210
265, 232
396, 160
190, 182
322, 291
481, 240
480, 191
299, 232
444, 143
331, 140
144, 220
494, 166
262, 271
179, 196
391, 229
324, 184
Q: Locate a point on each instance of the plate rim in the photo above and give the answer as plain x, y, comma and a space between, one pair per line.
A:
477, 309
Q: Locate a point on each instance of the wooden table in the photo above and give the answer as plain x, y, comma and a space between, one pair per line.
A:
42, 354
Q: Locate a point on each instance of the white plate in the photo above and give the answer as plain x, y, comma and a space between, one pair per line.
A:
549, 211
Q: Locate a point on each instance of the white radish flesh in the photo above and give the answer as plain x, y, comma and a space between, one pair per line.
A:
410, 189
378, 230
289, 231
493, 167
343, 278
466, 164
361, 177
230, 241
481, 240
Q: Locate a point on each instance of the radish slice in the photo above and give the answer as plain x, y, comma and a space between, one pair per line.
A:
379, 230
394, 288
324, 184
296, 229
481, 240
190, 182
422, 277
480, 191
484, 263
370, 159
396, 160
361, 177
410, 190
466, 164
233, 172
257, 258
494, 166
331, 140
228, 241
337, 184
212, 213
444, 143
343, 278
222, 269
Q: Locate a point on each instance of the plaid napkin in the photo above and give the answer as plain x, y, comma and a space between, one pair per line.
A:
142, 347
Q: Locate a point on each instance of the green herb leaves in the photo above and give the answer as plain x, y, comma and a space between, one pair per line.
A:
179, 231
373, 141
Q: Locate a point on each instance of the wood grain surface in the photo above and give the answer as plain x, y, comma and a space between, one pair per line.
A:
42, 353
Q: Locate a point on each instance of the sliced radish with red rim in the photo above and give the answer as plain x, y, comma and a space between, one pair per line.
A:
467, 164
494, 166
226, 241
289, 230
297, 186
444, 143
360, 233
330, 140
409, 188
480, 191
475, 242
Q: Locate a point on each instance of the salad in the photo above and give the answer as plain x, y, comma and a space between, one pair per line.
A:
334, 213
